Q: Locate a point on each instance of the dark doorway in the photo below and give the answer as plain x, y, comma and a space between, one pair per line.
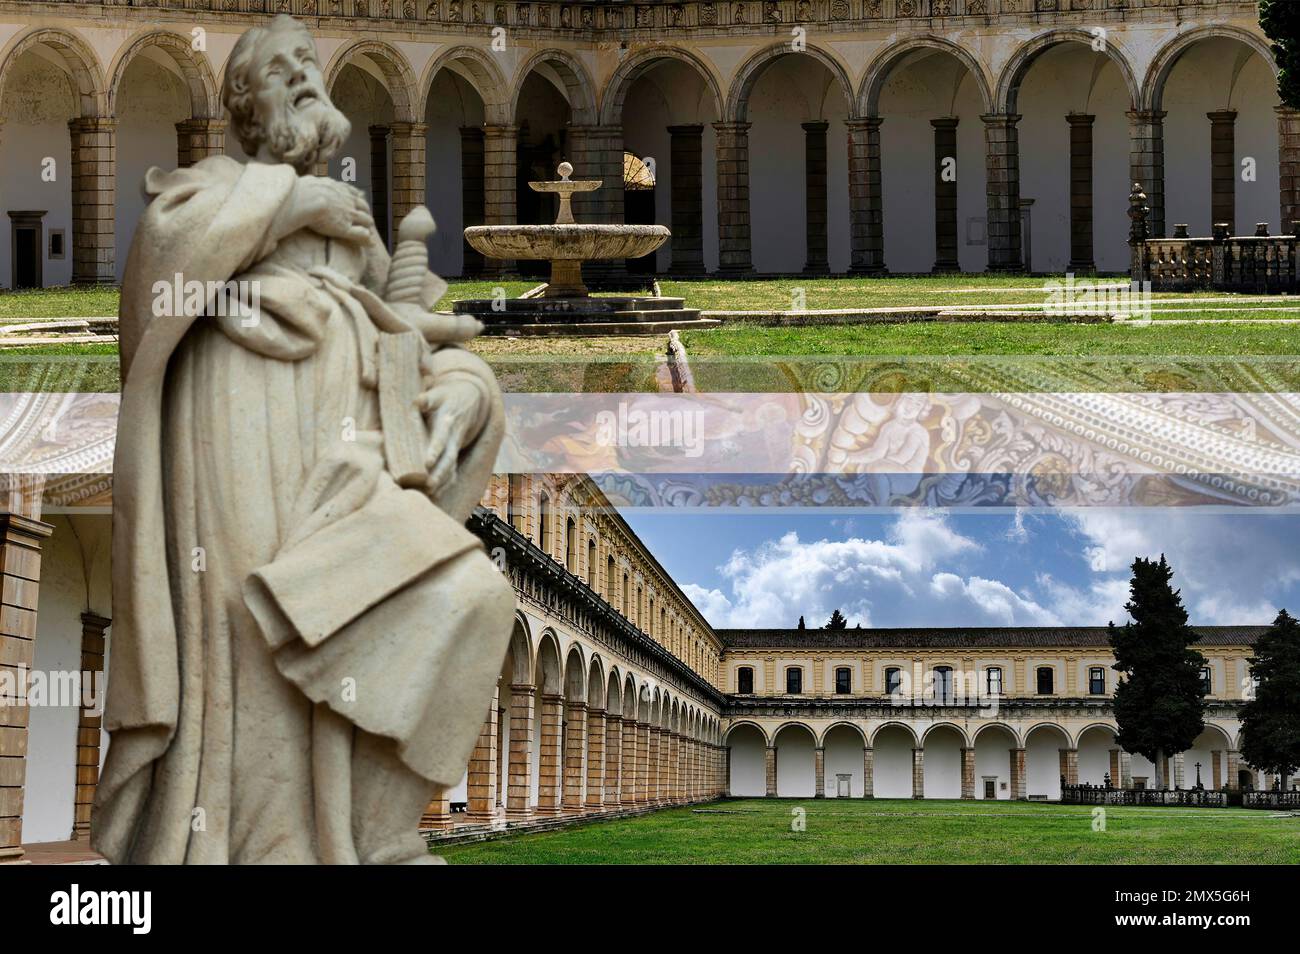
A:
27, 236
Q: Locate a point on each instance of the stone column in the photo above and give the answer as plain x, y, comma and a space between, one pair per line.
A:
1070, 766
652, 791
471, 194
437, 814
1082, 261
520, 760
1288, 165
866, 208
408, 167
683, 767
1146, 163
196, 139
1180, 775
613, 759
642, 763
1223, 168
665, 776
674, 777
595, 759
686, 169
575, 750
697, 774
500, 161
89, 722
819, 768
627, 783
945, 195
1125, 769
20, 573
868, 772
94, 196
1002, 163
918, 773
770, 764
1216, 770
550, 767
379, 179
1234, 768
1018, 774
967, 772
733, 199
1116, 777
481, 779
814, 173
597, 153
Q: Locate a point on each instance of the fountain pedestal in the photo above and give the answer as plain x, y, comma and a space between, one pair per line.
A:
565, 306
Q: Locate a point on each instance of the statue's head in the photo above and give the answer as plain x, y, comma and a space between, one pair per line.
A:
276, 96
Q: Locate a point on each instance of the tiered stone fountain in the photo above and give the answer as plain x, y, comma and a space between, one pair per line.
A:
565, 306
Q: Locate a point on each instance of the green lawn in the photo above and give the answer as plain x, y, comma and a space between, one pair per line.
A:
845, 831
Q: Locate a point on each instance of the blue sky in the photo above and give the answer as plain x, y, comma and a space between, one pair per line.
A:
919, 568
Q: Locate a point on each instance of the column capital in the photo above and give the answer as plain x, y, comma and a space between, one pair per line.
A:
95, 621
1222, 116
379, 129
1000, 119
522, 687
492, 131
1080, 119
402, 128
689, 129
816, 126
945, 122
553, 697
734, 128
1150, 116
859, 123
93, 123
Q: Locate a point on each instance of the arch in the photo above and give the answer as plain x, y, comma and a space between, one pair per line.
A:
1153, 84
1013, 72
1078, 736
205, 96
77, 56
399, 78
1228, 741
614, 692
861, 732
575, 675
1059, 729
484, 75
521, 652
812, 734
880, 69
894, 725
629, 698
579, 88
961, 733
548, 671
596, 687
1015, 736
743, 82
767, 740
635, 66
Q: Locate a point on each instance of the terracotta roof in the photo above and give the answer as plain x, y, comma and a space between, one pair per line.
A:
976, 637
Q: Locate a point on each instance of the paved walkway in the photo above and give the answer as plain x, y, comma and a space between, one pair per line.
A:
61, 853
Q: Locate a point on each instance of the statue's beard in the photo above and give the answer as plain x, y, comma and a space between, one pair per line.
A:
304, 139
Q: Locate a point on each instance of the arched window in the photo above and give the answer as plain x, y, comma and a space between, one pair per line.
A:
1046, 678
893, 680
516, 506
745, 680
1097, 681
544, 518
943, 684
794, 680
591, 562
611, 576
843, 680
627, 596
639, 604
571, 545
993, 681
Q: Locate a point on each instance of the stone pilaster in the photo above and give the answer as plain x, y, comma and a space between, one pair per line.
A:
595, 759
500, 164
967, 772
549, 765
1126, 769
627, 785
575, 750
613, 759
683, 767
1070, 766
814, 174
408, 146
1234, 769
379, 179
1018, 774
1146, 130
1223, 168
1288, 165
1002, 172
471, 194
1116, 776
945, 194
868, 772
437, 814
1180, 771
1082, 261
770, 768
196, 139
20, 576
665, 776
1216, 770
819, 772
866, 206
687, 174
918, 773
596, 152
481, 777
520, 762
652, 791
94, 197
89, 722
642, 763
734, 256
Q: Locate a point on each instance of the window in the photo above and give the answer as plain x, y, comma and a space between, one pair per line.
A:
571, 545
893, 678
993, 681
844, 680
1045, 680
1207, 681
1097, 681
745, 680
794, 681
544, 518
943, 684
591, 562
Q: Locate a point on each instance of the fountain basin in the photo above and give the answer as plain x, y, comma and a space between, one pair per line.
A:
566, 242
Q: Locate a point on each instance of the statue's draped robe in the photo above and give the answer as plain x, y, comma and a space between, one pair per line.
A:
302, 650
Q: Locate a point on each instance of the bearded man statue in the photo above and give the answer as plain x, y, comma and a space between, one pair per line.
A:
305, 638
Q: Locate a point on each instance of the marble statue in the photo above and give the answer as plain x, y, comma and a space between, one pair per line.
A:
306, 636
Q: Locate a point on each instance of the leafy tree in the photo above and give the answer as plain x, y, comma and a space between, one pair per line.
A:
1281, 22
837, 621
802, 624
1270, 722
1159, 704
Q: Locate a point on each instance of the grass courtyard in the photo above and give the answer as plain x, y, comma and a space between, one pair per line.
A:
905, 831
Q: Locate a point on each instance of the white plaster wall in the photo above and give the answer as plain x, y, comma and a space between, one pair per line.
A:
1043, 763
993, 757
892, 766
843, 756
943, 764
453, 103
151, 102
365, 102
795, 764
1094, 757
34, 114
748, 762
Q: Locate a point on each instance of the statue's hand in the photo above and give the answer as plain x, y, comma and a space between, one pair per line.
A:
331, 208
454, 405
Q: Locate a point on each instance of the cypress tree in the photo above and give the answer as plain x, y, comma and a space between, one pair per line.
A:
837, 621
1281, 22
1270, 722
